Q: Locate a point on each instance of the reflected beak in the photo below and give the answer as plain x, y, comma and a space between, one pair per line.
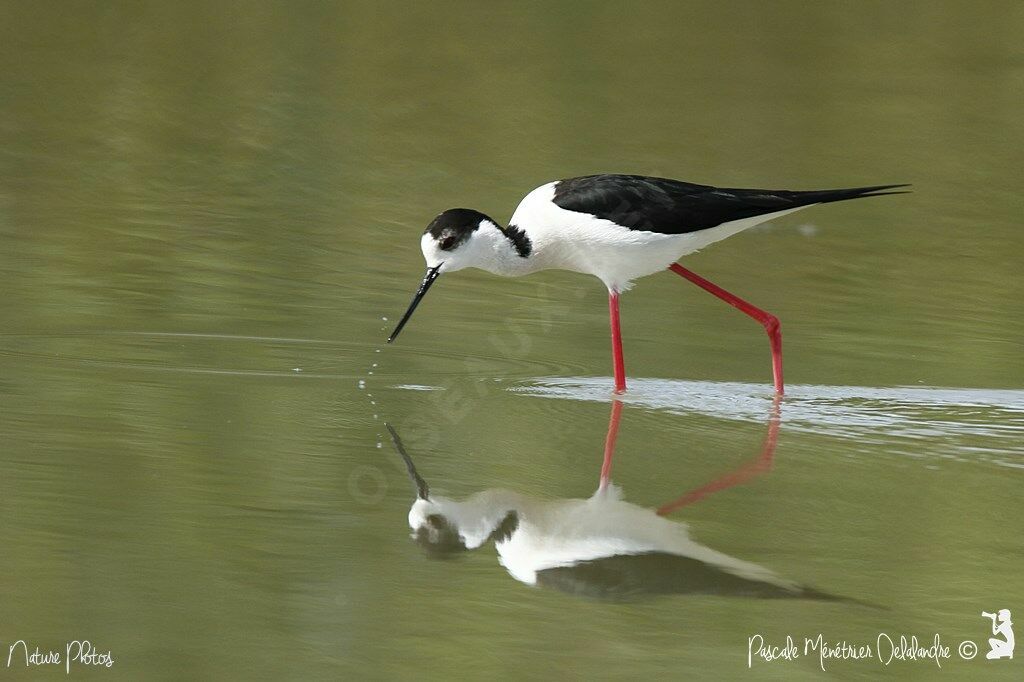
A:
428, 279
422, 491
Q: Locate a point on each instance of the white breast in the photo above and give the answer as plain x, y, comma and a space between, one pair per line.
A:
559, 533
580, 242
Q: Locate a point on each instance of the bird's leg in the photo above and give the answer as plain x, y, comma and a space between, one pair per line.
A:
756, 466
767, 320
617, 362
609, 443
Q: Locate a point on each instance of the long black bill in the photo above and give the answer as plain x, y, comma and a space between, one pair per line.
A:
428, 279
422, 491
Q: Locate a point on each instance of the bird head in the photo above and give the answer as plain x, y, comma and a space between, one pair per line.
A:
446, 528
452, 241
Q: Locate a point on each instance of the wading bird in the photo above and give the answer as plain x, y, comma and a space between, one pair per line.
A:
602, 546
618, 228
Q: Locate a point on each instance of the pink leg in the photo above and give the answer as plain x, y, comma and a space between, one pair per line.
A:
767, 320
617, 362
609, 444
741, 475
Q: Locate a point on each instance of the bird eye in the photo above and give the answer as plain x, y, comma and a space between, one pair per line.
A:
447, 242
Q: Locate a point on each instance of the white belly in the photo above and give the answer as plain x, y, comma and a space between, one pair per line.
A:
579, 242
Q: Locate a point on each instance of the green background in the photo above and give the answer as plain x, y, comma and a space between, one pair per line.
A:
199, 199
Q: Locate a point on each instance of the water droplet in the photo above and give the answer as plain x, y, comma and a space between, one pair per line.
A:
362, 384
384, 318
296, 369
379, 445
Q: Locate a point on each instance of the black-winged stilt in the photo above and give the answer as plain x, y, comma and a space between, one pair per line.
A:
618, 228
601, 546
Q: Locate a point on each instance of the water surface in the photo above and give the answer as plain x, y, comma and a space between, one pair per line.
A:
205, 213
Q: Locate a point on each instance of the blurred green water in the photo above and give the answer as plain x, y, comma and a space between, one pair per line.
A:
197, 201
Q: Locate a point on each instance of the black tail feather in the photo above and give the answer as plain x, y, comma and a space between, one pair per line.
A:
825, 196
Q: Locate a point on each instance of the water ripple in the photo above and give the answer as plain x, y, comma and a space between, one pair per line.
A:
962, 424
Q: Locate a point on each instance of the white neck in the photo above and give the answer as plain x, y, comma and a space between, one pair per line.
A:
491, 250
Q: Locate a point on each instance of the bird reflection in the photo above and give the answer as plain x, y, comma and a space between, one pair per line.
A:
603, 546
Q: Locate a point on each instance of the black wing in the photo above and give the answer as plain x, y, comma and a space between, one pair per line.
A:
630, 577
675, 207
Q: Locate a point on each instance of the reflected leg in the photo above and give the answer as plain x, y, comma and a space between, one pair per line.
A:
609, 444
767, 320
744, 473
